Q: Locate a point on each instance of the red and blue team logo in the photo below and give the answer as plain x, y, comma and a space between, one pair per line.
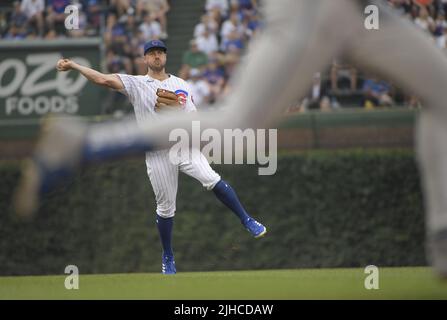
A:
182, 96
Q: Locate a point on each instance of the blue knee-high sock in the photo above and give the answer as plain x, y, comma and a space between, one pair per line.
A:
164, 226
225, 193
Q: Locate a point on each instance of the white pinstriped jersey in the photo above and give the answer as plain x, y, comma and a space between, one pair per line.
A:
141, 91
163, 174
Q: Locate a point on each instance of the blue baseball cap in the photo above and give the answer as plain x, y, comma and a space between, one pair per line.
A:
155, 44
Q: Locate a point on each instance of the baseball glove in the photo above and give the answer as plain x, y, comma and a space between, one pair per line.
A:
167, 100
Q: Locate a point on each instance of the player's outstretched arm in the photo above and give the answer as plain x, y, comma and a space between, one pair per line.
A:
107, 80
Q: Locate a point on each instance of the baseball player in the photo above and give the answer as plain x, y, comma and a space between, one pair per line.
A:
150, 95
302, 37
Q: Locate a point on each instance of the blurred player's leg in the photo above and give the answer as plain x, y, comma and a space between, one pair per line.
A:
64, 144
57, 154
398, 51
432, 156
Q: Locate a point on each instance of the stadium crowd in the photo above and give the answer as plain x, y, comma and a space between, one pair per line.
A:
217, 44
344, 80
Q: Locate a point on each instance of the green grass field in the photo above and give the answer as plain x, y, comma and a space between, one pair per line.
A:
394, 283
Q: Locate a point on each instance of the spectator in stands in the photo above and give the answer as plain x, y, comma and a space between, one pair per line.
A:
220, 6
206, 23
376, 93
231, 28
247, 5
318, 97
18, 18
207, 42
234, 41
325, 104
200, 28
3, 23
343, 70
234, 8
200, 90
158, 9
130, 25
251, 23
440, 30
215, 76
150, 27
413, 102
244, 7
34, 9
425, 21
137, 48
115, 64
92, 9
216, 16
56, 17
115, 35
15, 32
192, 59
126, 29
121, 7
443, 5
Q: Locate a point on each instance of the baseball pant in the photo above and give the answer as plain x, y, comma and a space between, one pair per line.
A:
163, 174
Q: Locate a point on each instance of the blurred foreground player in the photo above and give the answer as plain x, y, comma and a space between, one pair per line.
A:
301, 38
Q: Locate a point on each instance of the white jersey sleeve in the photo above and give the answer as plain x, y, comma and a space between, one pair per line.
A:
130, 86
189, 106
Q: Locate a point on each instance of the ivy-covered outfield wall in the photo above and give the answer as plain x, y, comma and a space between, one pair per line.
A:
322, 209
